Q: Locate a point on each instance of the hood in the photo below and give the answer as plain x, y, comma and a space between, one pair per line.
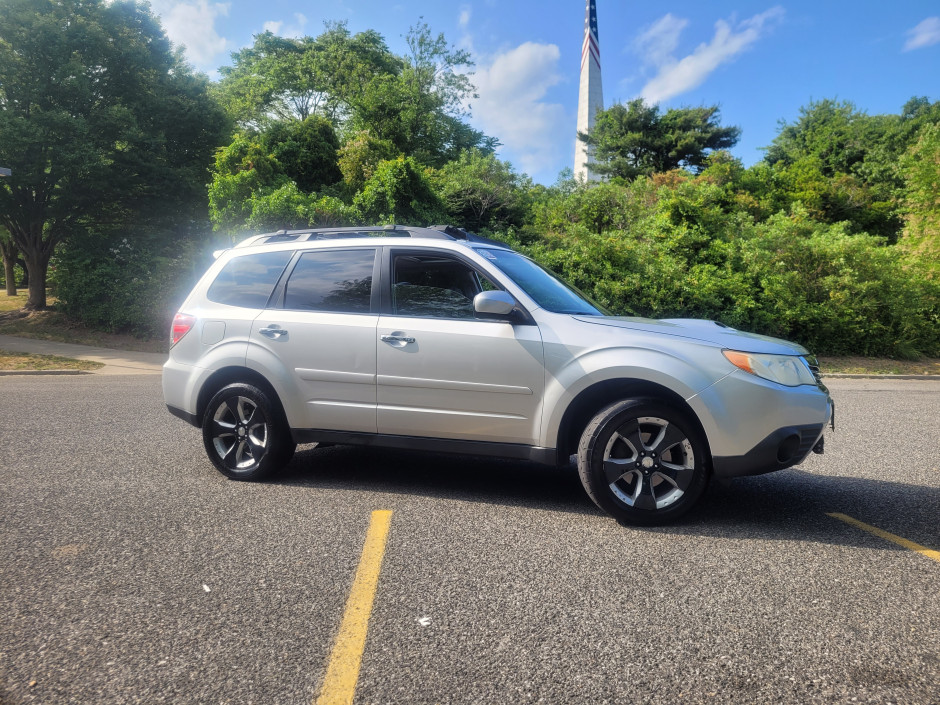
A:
703, 331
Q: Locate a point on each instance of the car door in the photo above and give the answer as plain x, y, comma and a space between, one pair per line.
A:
318, 338
442, 372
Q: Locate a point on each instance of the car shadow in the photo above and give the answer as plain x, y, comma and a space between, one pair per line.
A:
790, 505
465, 478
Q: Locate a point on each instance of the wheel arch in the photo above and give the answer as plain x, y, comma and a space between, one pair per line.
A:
231, 375
596, 397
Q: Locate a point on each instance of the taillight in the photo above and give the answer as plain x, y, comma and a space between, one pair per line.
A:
182, 324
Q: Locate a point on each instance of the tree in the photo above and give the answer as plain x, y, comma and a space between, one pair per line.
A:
636, 139
853, 159
284, 79
399, 192
921, 169
480, 191
420, 109
105, 128
307, 151
414, 102
360, 156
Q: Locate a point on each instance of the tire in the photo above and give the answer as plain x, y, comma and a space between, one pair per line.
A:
245, 433
643, 462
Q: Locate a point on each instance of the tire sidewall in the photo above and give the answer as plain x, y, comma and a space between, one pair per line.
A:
272, 459
591, 460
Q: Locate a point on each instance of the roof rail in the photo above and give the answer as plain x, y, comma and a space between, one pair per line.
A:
434, 232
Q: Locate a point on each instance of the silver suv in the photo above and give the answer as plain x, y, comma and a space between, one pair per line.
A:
436, 339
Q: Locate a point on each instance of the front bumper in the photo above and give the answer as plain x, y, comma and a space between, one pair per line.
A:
754, 426
782, 449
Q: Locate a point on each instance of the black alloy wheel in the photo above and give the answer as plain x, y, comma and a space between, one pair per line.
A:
643, 462
244, 434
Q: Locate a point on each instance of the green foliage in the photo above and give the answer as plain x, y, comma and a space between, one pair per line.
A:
682, 246
125, 287
399, 192
252, 190
413, 102
106, 129
419, 108
360, 156
840, 293
243, 171
480, 191
843, 165
636, 140
306, 151
281, 79
921, 169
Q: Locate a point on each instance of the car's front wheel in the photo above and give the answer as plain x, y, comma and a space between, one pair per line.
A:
643, 462
244, 434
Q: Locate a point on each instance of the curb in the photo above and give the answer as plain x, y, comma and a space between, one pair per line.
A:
13, 373
841, 375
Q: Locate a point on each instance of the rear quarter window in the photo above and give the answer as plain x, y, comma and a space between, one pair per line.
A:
248, 281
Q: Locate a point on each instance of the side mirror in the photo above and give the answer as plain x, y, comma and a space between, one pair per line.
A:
494, 303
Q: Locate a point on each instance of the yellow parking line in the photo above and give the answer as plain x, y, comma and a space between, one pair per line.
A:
909, 545
339, 685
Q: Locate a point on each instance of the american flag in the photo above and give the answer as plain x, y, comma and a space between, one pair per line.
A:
592, 45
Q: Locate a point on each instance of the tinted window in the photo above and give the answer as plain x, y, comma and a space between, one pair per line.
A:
332, 280
435, 286
545, 288
249, 280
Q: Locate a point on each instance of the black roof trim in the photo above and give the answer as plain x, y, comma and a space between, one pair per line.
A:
434, 232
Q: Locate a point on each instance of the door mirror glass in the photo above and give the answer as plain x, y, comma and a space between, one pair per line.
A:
494, 303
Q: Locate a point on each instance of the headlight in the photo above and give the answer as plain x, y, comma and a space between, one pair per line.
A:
790, 370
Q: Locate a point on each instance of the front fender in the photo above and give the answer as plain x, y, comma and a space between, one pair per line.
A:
678, 375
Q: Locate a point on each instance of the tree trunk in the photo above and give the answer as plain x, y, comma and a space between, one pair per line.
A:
36, 267
25, 281
8, 251
9, 273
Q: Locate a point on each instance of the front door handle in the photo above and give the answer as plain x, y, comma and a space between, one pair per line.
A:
274, 332
397, 339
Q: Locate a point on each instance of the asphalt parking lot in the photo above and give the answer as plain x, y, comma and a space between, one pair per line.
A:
132, 572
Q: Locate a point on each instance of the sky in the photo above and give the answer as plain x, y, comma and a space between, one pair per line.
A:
759, 61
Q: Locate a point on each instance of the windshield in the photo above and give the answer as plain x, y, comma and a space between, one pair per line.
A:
545, 288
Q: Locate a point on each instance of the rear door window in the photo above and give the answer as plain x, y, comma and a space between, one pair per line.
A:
338, 281
248, 281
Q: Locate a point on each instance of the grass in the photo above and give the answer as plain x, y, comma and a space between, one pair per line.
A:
878, 366
56, 326
27, 361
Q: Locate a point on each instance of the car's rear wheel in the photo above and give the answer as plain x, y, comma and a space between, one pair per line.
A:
244, 433
643, 462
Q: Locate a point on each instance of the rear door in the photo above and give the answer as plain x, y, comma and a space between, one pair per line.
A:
318, 339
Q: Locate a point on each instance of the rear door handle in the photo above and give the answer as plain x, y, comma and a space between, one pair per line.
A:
274, 332
397, 339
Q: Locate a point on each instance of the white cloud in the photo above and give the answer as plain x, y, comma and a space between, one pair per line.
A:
658, 41
295, 30
678, 76
511, 106
465, 13
924, 34
192, 25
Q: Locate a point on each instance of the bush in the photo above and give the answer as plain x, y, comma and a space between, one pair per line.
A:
122, 287
681, 248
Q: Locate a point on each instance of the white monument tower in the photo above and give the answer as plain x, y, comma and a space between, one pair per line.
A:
590, 97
